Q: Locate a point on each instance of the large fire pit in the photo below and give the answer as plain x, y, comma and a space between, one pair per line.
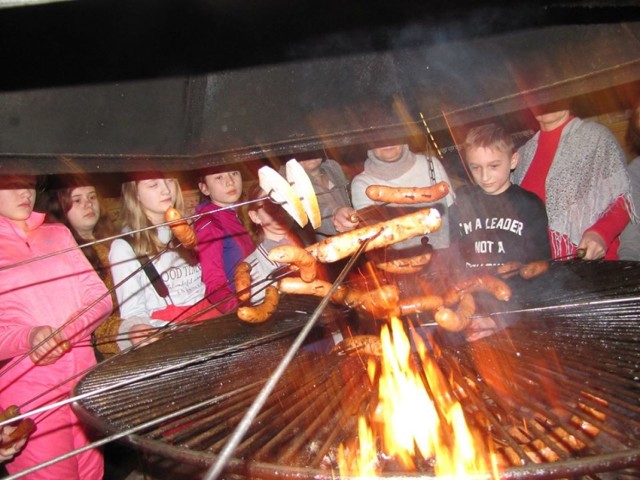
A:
555, 392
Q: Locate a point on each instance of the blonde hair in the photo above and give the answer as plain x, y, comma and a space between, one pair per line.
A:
133, 218
489, 136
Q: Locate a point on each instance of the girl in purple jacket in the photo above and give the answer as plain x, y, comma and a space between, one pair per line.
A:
38, 298
223, 241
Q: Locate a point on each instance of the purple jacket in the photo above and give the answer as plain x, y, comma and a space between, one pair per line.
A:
223, 242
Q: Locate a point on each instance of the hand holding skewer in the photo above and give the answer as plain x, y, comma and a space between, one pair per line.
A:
47, 348
345, 219
13, 437
593, 245
142, 332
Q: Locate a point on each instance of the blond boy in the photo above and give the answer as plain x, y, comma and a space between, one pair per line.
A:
493, 221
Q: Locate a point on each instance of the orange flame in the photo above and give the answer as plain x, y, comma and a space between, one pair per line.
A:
416, 417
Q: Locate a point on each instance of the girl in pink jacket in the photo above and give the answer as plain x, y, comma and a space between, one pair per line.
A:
36, 299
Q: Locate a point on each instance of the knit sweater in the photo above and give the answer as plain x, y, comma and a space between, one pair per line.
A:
587, 186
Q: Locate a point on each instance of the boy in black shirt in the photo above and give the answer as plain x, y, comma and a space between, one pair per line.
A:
494, 222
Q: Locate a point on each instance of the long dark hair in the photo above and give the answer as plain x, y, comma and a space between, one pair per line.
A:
58, 204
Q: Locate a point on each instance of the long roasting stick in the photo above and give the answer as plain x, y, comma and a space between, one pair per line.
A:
128, 381
120, 235
552, 308
242, 428
125, 234
272, 278
15, 361
125, 433
99, 299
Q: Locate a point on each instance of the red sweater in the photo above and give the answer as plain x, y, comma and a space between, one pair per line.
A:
610, 224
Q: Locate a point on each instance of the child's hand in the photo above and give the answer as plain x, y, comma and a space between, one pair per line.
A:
138, 333
9, 452
343, 219
14, 437
51, 350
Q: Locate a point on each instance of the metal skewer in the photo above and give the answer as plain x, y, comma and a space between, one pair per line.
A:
131, 232
258, 403
580, 253
273, 277
124, 234
116, 436
551, 308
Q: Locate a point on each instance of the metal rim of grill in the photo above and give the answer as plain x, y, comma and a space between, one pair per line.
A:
574, 359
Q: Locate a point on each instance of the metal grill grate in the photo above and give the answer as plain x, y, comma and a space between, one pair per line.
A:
556, 392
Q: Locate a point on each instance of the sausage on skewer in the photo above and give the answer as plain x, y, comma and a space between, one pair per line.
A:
297, 256
407, 195
181, 229
242, 281
381, 234
261, 313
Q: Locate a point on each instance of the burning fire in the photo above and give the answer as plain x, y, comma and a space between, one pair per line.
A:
416, 417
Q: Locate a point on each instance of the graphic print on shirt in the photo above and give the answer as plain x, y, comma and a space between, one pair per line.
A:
494, 223
496, 229
182, 279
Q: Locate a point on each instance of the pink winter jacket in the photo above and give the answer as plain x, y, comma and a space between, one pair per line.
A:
44, 292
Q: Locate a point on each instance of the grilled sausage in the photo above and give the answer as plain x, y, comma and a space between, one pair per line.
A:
318, 288
421, 303
457, 320
481, 283
451, 297
381, 234
406, 265
261, 313
448, 319
533, 269
9, 412
21, 431
379, 303
466, 307
360, 344
297, 286
496, 287
182, 230
508, 269
407, 195
242, 281
297, 256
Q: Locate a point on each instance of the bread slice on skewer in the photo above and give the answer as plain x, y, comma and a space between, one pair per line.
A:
281, 192
299, 180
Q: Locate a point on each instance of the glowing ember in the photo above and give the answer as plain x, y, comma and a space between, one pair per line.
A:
416, 417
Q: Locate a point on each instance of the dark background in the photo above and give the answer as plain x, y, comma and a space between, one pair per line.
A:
113, 86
